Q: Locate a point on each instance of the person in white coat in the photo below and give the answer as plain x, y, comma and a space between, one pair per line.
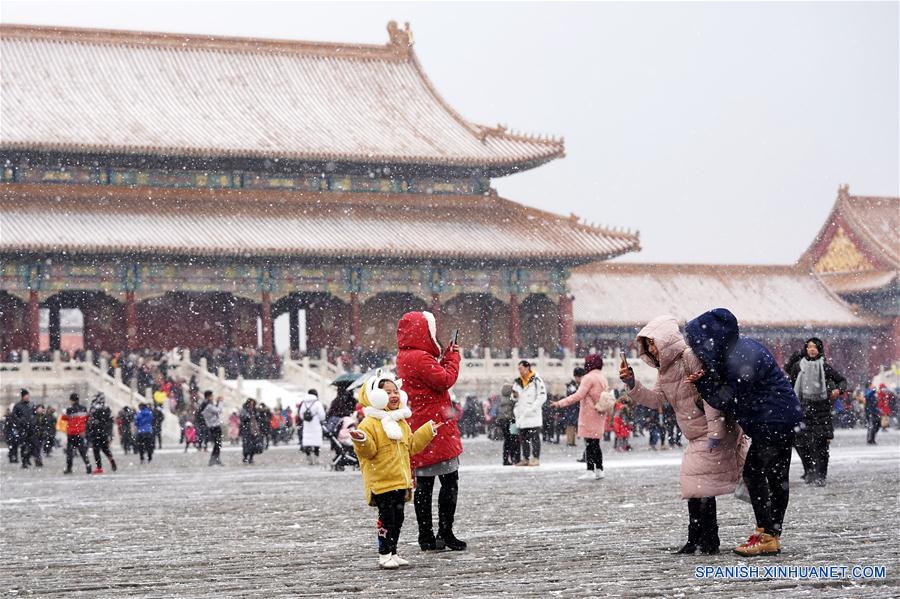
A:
311, 414
529, 395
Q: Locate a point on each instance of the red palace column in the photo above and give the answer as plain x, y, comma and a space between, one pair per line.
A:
33, 319
566, 323
355, 326
436, 310
895, 336
131, 327
778, 352
265, 314
515, 327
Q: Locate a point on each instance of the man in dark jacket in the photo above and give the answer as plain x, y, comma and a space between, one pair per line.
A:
24, 425
99, 431
816, 384
741, 378
75, 417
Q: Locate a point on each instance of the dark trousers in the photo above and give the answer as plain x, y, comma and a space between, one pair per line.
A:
145, 444
76, 442
390, 519
593, 455
215, 435
158, 435
25, 444
814, 453
531, 442
766, 473
703, 526
310, 450
446, 504
13, 446
873, 425
512, 452
101, 444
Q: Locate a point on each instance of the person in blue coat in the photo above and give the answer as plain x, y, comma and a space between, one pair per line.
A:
741, 378
143, 423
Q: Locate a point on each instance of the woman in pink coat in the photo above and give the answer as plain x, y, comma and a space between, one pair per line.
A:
591, 422
716, 448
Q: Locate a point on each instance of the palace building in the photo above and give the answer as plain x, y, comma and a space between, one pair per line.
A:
185, 190
844, 289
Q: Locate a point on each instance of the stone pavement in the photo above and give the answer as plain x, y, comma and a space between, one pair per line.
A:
280, 528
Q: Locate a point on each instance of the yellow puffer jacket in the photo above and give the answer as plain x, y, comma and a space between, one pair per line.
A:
383, 461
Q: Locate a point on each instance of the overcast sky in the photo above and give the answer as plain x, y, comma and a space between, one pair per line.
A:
720, 130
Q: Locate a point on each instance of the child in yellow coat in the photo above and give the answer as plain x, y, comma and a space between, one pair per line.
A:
383, 443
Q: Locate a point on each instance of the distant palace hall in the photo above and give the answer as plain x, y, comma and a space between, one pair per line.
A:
187, 190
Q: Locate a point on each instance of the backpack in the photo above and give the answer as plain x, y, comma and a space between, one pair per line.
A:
307, 414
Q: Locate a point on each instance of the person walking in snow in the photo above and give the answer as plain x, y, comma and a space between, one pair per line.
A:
24, 426
312, 414
75, 418
212, 417
143, 422
99, 432
506, 422
529, 395
595, 402
816, 384
251, 432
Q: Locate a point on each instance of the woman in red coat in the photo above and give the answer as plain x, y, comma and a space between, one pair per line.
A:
427, 378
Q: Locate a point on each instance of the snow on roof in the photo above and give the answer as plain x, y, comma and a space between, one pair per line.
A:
88, 90
108, 219
629, 295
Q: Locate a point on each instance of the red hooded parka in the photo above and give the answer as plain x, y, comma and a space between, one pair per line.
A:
427, 382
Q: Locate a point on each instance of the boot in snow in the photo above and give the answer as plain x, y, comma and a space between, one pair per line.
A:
450, 541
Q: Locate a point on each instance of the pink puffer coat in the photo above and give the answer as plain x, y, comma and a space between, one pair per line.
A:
704, 473
591, 423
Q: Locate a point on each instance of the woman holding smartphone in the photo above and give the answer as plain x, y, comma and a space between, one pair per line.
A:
428, 374
716, 448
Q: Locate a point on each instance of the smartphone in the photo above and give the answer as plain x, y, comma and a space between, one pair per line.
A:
455, 339
622, 355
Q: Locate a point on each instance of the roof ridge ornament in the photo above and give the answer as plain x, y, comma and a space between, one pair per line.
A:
400, 39
844, 190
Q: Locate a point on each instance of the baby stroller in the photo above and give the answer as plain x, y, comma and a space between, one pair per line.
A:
344, 455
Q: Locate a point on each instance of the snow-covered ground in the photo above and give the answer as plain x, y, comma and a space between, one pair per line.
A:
178, 528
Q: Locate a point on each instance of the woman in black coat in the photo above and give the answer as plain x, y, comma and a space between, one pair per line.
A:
250, 430
816, 384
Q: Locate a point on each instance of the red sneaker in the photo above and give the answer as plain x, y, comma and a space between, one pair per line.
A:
98, 471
